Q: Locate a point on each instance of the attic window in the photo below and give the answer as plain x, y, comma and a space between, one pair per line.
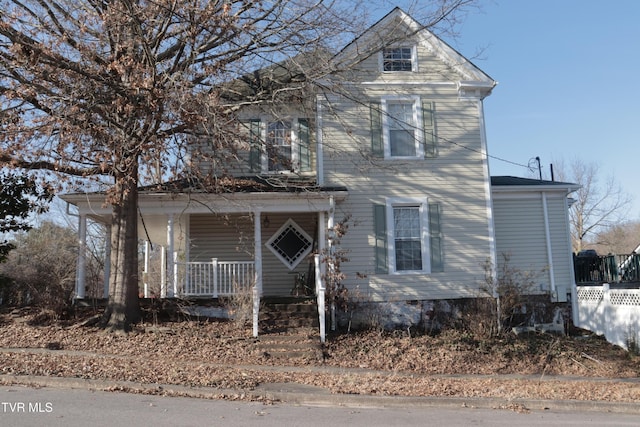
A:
398, 59
290, 244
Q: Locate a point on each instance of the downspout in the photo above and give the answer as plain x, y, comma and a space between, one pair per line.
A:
547, 233
319, 148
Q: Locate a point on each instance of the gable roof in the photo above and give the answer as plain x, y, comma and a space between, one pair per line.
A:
373, 39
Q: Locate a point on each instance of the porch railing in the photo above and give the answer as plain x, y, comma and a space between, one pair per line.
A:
607, 269
215, 278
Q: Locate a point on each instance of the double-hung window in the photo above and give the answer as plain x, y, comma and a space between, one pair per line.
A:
402, 128
398, 59
278, 146
408, 236
408, 231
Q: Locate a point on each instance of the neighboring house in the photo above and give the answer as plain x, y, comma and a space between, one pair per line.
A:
399, 149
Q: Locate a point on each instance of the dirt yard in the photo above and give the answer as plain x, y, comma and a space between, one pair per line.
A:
221, 354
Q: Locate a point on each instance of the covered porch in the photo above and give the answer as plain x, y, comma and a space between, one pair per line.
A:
207, 245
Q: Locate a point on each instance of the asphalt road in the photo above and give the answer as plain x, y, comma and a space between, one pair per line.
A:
24, 406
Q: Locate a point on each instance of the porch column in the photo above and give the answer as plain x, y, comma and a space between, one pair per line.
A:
330, 252
321, 285
257, 268
107, 260
170, 259
322, 242
163, 272
257, 250
145, 271
81, 265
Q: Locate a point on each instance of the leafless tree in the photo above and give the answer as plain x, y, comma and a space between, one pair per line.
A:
114, 90
622, 238
598, 203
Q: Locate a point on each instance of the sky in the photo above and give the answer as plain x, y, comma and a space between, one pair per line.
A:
568, 74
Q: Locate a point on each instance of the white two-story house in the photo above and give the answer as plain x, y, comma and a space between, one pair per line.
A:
397, 147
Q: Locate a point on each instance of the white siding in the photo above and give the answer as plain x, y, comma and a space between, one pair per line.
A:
230, 238
520, 232
455, 179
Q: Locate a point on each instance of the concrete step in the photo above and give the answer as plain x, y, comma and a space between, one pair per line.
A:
303, 343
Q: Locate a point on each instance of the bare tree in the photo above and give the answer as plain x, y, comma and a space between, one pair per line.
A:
116, 90
622, 238
598, 203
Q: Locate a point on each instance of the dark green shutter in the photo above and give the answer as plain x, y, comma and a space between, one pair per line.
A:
255, 149
377, 144
435, 238
303, 144
380, 235
430, 145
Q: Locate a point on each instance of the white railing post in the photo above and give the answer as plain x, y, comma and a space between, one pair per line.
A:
320, 295
214, 268
256, 309
606, 309
175, 274
145, 272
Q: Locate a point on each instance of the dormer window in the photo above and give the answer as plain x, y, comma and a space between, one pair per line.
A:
400, 59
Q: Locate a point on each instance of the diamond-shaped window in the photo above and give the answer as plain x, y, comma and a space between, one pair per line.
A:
290, 244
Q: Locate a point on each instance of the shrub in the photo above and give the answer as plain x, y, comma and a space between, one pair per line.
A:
41, 270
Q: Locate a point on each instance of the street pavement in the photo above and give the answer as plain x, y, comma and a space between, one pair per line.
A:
58, 405
299, 394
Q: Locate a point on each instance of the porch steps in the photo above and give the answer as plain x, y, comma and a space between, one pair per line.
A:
289, 329
303, 343
283, 316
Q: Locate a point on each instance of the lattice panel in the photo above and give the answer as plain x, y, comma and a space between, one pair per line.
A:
590, 294
619, 297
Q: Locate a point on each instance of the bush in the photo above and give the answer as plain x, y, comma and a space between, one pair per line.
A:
41, 270
511, 299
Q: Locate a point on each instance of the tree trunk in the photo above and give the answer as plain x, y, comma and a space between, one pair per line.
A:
123, 308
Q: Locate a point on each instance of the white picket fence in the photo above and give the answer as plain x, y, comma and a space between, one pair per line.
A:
614, 313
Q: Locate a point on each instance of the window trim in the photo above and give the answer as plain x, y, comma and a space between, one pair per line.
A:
417, 124
422, 204
414, 58
295, 145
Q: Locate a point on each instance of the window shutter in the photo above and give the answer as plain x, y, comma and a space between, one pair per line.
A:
380, 235
255, 146
430, 146
435, 238
377, 145
304, 145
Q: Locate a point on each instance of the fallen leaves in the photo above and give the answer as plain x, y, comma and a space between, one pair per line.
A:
219, 355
